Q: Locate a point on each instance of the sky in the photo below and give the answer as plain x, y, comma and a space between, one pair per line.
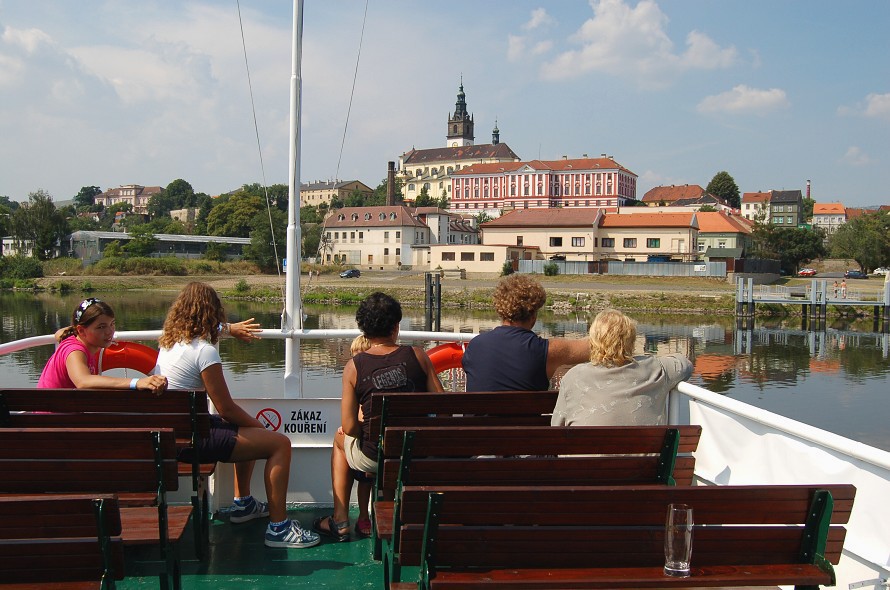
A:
113, 92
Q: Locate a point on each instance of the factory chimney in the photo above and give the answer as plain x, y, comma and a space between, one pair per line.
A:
808, 188
390, 183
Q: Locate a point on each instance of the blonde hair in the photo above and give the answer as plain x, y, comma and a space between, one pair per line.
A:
518, 297
196, 313
612, 335
359, 344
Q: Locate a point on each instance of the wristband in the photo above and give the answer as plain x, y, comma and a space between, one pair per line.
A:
133, 382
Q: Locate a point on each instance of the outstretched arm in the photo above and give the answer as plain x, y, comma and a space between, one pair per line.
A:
563, 351
245, 330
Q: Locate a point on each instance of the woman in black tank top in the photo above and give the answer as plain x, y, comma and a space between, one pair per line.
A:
383, 366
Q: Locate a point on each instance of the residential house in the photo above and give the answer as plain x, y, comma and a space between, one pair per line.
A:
786, 208
636, 235
135, 195
717, 231
384, 237
478, 258
829, 216
565, 233
318, 192
446, 227
431, 169
543, 184
755, 206
664, 196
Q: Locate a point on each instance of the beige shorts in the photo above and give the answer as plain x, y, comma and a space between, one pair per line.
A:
355, 457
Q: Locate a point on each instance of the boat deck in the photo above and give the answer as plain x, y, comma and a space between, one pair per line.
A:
239, 559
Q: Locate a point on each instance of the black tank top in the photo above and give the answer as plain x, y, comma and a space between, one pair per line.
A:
396, 371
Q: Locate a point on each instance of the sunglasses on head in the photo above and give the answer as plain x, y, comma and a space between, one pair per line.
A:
83, 307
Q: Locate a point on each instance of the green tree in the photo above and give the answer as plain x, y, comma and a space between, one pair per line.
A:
379, 195
142, 241
311, 233
113, 249
797, 244
86, 197
215, 251
40, 224
234, 216
724, 187
481, 218
83, 224
707, 209
423, 199
865, 239
310, 214
9, 203
443, 202
179, 194
265, 239
807, 209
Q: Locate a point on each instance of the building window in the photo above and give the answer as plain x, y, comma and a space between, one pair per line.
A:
578, 242
398, 251
447, 256
361, 236
556, 242
608, 242
630, 242
653, 243
486, 256
398, 235
382, 216
386, 251
518, 240
386, 236
467, 256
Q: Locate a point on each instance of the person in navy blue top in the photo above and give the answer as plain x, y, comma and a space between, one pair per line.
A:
512, 357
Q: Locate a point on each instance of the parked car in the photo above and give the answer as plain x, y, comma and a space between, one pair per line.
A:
350, 273
855, 274
806, 272
881, 271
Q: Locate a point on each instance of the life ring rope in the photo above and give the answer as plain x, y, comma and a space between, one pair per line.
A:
128, 355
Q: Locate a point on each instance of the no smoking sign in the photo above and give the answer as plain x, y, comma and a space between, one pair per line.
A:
270, 418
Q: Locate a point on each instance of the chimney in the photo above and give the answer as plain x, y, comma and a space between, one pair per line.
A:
808, 188
390, 183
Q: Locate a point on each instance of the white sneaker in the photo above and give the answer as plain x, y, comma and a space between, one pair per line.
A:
292, 536
251, 510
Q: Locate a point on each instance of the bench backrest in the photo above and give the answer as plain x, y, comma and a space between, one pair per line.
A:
620, 526
504, 408
37, 460
60, 538
565, 455
186, 412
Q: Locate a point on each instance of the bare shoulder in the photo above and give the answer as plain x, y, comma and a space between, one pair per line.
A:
569, 350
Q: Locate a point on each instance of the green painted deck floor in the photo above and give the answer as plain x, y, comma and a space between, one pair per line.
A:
239, 559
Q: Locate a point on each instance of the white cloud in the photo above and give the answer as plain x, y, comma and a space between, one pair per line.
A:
632, 41
878, 106
28, 39
744, 100
855, 157
539, 18
515, 47
542, 47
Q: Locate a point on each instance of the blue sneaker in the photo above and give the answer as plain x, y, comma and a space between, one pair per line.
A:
292, 535
249, 511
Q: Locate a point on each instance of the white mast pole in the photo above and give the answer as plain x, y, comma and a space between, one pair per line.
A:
292, 318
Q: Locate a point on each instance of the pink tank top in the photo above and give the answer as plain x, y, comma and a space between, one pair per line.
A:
55, 373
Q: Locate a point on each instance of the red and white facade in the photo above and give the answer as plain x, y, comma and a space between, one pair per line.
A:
580, 183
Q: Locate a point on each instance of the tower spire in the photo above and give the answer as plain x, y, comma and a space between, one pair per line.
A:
460, 123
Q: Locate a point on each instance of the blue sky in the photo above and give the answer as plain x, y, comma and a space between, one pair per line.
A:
116, 92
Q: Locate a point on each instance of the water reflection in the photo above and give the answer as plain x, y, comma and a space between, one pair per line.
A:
834, 378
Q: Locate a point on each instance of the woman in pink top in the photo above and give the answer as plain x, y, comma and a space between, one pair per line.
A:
75, 363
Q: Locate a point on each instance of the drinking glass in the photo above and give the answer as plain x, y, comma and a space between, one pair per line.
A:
678, 540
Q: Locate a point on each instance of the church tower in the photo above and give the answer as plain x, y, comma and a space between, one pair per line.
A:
495, 134
460, 124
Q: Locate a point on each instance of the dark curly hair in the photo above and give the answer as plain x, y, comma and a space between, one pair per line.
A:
196, 313
378, 314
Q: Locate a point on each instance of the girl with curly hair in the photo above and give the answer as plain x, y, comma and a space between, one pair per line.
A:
190, 359
617, 388
512, 357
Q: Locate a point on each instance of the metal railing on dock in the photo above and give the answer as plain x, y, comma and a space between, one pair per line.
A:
814, 298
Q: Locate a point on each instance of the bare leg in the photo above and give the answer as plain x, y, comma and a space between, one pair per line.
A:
341, 480
364, 498
243, 474
258, 443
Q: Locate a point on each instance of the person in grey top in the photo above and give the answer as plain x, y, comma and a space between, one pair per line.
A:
616, 388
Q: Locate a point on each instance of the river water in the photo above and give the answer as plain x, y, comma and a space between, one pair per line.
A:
835, 378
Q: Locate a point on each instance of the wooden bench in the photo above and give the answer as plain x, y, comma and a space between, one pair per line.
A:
139, 465
613, 537
68, 541
186, 412
566, 456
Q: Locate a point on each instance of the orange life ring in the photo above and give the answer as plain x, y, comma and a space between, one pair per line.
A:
128, 355
446, 356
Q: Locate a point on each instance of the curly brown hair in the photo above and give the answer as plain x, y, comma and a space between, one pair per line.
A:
518, 297
196, 313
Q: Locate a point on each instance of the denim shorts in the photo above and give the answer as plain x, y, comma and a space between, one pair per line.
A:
215, 448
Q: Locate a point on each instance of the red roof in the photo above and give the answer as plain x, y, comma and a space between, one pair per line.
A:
756, 197
557, 217
669, 194
394, 216
577, 165
828, 209
717, 222
649, 220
